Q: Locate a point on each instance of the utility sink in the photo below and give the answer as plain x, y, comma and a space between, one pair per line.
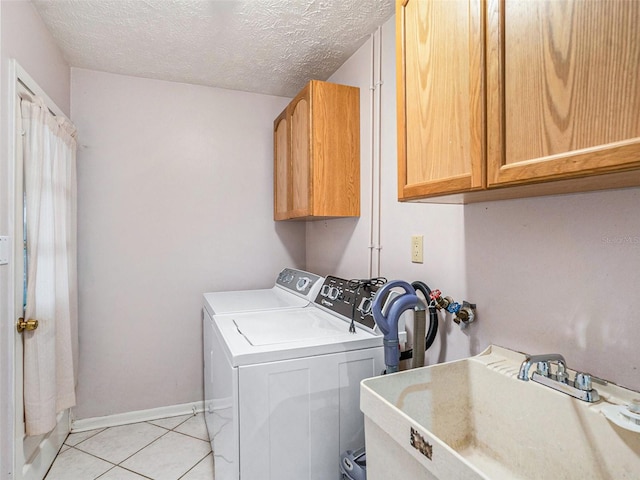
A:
473, 419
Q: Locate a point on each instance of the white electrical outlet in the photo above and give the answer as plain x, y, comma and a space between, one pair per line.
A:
416, 248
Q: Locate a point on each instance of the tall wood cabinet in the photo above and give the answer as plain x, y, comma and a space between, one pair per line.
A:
317, 154
503, 93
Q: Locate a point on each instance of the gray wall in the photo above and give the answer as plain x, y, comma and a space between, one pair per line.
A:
174, 199
560, 274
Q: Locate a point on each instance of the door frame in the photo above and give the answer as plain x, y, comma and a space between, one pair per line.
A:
12, 378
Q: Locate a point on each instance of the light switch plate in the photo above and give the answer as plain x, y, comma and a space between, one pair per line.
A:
4, 250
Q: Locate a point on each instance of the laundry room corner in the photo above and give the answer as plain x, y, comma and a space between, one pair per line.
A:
378, 242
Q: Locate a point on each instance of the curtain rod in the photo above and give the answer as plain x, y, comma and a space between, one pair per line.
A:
30, 85
26, 87
21, 82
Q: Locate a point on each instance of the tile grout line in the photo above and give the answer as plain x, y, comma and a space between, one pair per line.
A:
103, 474
197, 463
127, 458
91, 455
123, 468
108, 428
182, 423
97, 431
152, 442
139, 450
77, 447
191, 436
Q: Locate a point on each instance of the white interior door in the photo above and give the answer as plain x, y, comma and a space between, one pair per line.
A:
32, 455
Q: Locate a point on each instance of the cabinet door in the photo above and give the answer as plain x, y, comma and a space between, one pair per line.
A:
335, 150
300, 155
563, 89
281, 193
440, 88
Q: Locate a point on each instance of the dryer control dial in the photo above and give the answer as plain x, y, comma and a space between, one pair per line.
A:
302, 283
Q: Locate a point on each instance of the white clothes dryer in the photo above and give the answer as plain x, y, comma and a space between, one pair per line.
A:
293, 289
283, 396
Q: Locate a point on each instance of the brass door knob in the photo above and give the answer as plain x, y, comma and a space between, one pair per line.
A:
29, 325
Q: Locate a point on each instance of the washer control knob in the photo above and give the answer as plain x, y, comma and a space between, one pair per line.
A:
365, 305
324, 291
333, 293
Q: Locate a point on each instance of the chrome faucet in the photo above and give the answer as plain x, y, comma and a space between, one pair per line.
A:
580, 387
531, 359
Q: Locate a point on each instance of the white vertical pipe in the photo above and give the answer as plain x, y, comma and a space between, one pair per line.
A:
372, 87
379, 147
375, 119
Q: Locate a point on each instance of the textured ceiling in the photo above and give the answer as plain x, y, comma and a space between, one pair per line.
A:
263, 46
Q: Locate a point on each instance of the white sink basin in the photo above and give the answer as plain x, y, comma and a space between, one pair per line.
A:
476, 420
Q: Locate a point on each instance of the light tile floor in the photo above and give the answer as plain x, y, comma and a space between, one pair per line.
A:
166, 449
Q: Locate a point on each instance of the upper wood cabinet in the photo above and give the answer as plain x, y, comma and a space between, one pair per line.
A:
553, 91
317, 154
564, 89
440, 97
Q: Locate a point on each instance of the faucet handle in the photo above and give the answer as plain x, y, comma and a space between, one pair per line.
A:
583, 382
543, 369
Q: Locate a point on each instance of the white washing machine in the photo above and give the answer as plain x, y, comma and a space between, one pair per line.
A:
283, 395
292, 289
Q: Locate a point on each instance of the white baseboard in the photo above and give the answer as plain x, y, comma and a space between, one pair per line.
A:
84, 424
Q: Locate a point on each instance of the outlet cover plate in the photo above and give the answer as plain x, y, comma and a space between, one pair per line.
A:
417, 248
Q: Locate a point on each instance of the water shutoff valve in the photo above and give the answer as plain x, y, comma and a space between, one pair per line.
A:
466, 314
441, 303
454, 307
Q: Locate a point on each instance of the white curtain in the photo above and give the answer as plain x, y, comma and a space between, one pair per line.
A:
50, 187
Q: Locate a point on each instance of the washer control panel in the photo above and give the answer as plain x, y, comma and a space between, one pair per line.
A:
348, 299
297, 281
